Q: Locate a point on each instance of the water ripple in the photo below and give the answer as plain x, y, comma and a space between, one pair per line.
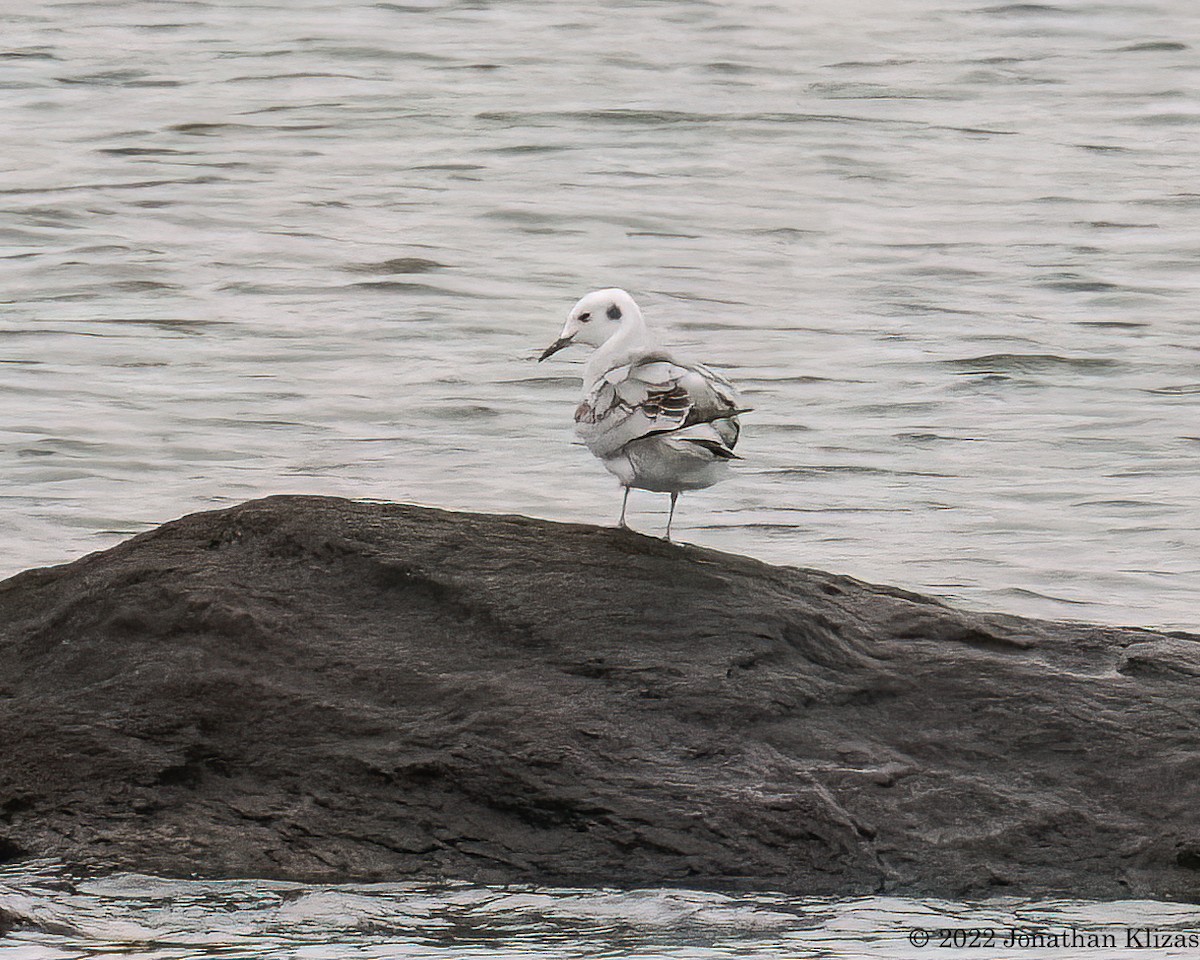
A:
49, 911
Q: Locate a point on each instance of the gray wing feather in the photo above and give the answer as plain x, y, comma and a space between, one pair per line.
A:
655, 396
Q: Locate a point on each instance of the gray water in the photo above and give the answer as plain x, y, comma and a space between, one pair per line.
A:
159, 919
948, 248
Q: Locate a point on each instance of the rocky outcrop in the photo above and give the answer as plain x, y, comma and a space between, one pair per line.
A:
313, 688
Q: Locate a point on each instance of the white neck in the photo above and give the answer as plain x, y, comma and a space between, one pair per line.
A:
632, 339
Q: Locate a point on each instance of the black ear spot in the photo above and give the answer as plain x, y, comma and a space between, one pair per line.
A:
614, 312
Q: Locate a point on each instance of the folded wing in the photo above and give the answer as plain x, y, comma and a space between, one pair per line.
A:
657, 396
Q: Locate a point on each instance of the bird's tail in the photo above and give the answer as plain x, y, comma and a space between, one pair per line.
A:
708, 436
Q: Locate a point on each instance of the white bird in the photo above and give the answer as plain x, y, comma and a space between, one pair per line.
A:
654, 421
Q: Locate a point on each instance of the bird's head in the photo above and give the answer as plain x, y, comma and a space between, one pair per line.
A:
595, 318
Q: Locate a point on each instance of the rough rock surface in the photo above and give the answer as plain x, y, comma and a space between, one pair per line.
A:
313, 688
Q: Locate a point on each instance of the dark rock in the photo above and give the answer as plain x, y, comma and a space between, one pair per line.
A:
310, 688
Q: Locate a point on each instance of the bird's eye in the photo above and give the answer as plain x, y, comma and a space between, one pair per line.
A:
585, 317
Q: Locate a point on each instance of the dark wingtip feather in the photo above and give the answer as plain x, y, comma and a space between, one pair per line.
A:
713, 447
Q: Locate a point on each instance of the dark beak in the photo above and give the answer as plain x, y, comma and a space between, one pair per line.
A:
555, 347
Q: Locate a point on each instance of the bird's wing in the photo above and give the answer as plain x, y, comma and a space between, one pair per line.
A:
655, 395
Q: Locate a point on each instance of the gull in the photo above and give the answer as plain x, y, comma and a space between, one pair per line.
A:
655, 421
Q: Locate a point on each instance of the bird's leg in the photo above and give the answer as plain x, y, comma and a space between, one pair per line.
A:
621, 523
671, 515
